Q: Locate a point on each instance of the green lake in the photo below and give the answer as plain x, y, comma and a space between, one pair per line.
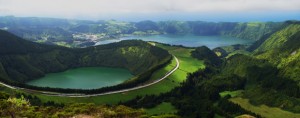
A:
84, 78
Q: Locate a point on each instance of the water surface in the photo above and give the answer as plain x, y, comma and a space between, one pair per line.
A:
192, 40
84, 78
188, 40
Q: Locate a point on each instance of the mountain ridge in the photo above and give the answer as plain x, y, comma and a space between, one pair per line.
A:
70, 32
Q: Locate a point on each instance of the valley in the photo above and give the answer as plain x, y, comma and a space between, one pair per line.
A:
171, 69
80, 33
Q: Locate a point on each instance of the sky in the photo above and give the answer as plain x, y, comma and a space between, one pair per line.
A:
137, 10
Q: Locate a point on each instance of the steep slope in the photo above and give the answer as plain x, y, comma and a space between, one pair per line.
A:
272, 71
10, 44
251, 30
283, 50
21, 60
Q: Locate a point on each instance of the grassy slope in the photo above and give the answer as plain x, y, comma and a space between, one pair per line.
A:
278, 38
163, 108
273, 48
263, 110
187, 65
282, 49
231, 93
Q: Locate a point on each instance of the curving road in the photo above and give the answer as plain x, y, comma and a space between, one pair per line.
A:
100, 94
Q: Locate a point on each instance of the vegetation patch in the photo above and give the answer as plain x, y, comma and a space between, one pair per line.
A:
231, 93
263, 110
163, 108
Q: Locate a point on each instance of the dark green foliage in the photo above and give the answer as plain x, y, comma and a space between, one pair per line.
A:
223, 53
147, 101
11, 44
271, 97
247, 67
35, 101
204, 53
264, 83
3, 96
32, 99
282, 50
258, 43
195, 98
230, 110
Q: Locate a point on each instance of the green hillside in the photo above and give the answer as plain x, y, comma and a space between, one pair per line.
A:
282, 50
272, 70
259, 83
22, 60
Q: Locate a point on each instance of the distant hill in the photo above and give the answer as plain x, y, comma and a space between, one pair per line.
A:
56, 31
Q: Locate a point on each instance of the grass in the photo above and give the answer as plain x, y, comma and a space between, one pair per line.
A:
263, 110
62, 43
231, 93
187, 65
163, 108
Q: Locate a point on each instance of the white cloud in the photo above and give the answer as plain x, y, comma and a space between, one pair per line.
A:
94, 8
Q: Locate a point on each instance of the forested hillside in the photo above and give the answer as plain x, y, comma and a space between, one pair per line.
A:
282, 49
23, 60
271, 72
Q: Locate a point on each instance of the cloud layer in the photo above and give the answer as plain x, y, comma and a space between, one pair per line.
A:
101, 8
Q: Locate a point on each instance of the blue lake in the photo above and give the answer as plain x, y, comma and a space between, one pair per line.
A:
186, 40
